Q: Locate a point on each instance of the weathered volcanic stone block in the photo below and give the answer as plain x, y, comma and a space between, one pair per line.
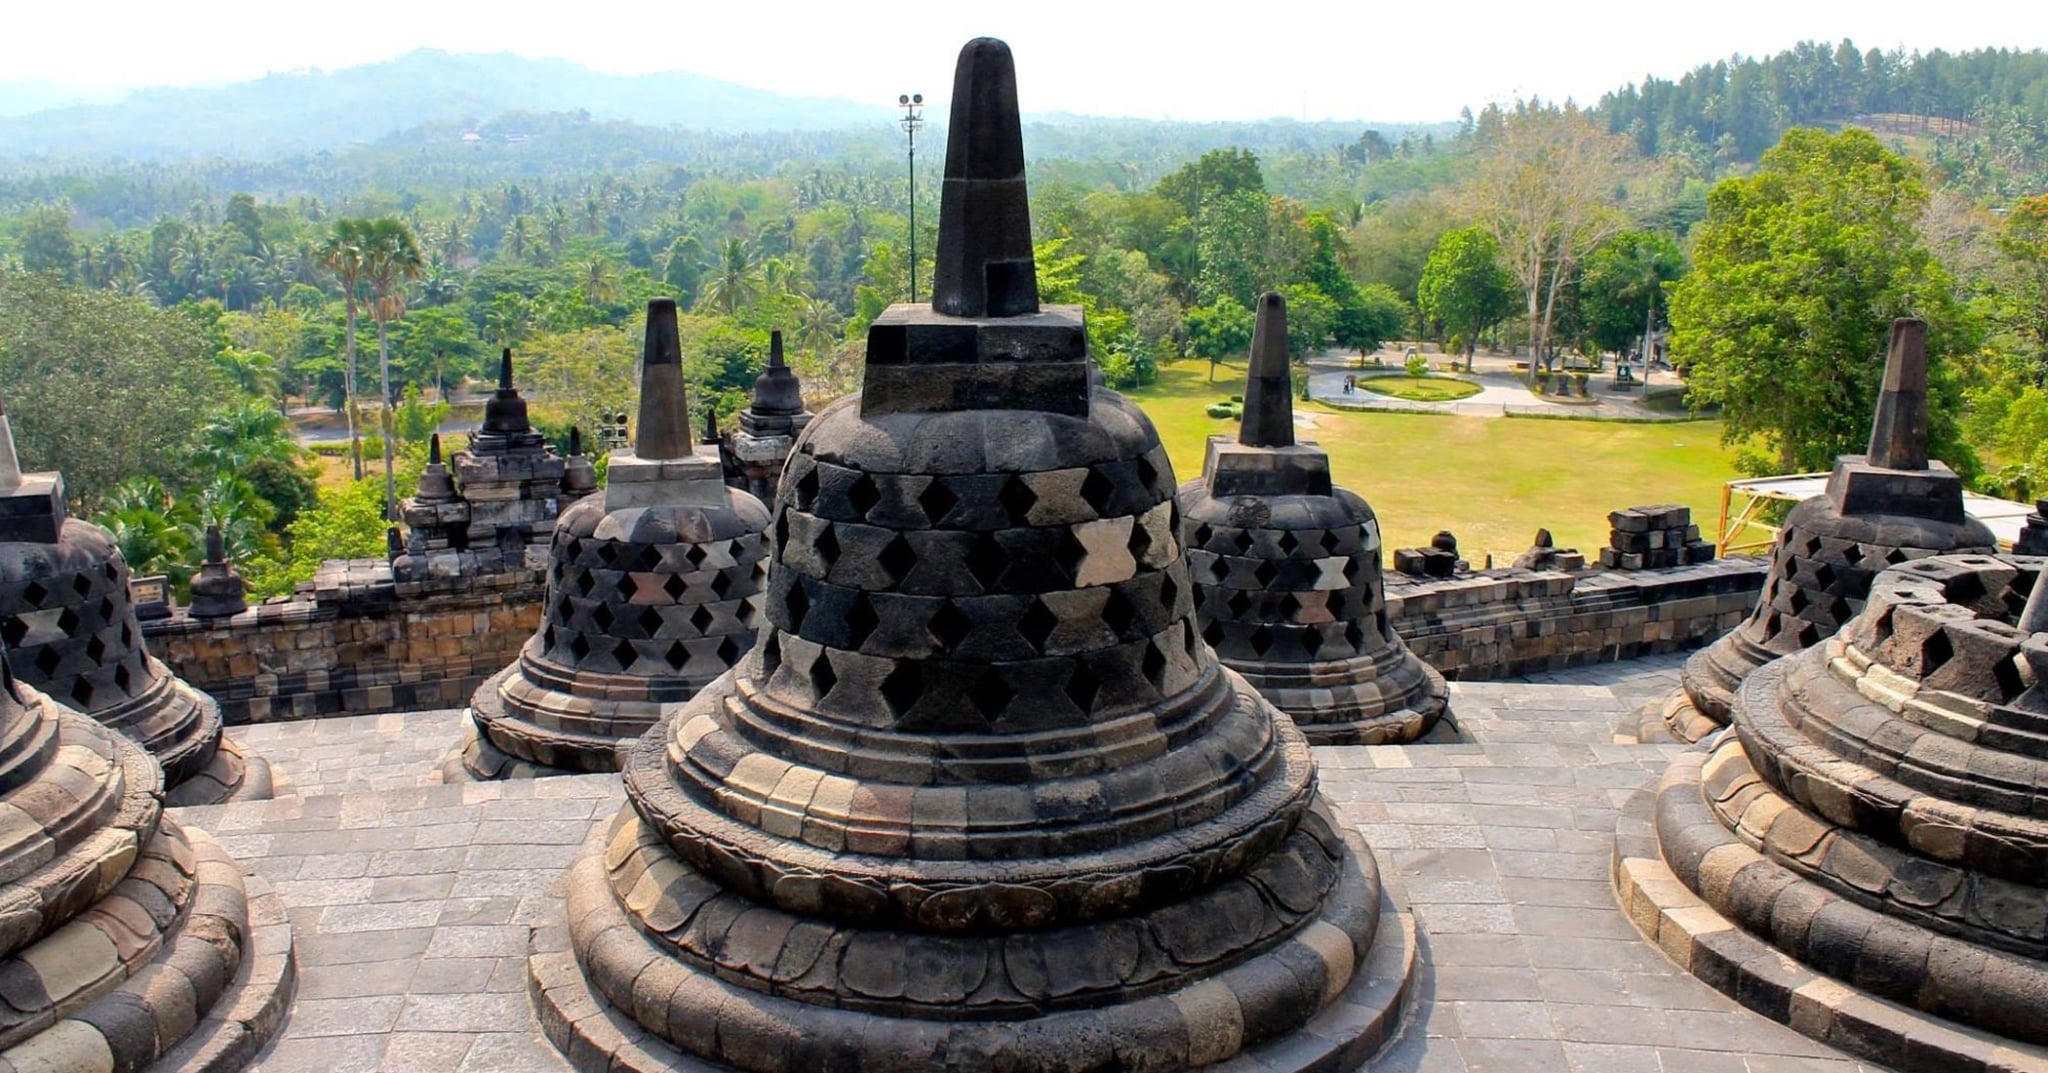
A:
1862, 821
1287, 573
116, 900
653, 591
981, 788
1879, 509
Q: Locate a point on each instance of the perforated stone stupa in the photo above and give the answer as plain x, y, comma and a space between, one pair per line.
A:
1287, 572
769, 424
653, 589
981, 797
126, 940
1881, 508
509, 477
66, 614
1876, 816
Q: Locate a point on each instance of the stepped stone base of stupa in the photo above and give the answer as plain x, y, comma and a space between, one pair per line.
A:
234, 774
178, 962
1201, 1026
475, 759
1721, 952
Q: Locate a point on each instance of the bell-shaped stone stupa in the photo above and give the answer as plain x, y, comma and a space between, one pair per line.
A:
652, 592
1865, 856
66, 615
1881, 508
769, 424
218, 591
1287, 572
126, 941
981, 796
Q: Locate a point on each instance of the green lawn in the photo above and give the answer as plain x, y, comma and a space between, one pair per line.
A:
1420, 388
1491, 480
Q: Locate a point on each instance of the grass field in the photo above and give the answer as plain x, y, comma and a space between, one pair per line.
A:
1420, 388
1491, 480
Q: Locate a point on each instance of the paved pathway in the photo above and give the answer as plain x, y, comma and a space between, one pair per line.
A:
1501, 391
412, 902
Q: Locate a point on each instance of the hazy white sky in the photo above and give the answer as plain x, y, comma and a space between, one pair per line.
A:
1318, 59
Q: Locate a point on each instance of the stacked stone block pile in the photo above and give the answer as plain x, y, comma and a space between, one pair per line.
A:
1653, 538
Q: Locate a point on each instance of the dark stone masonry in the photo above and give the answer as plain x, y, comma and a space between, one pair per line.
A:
652, 592
126, 939
67, 618
769, 425
1874, 816
942, 731
952, 806
494, 510
1287, 573
1881, 508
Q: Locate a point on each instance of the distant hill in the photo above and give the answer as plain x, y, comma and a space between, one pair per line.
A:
283, 114
24, 96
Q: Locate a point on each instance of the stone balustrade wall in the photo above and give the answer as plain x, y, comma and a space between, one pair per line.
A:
1498, 623
359, 642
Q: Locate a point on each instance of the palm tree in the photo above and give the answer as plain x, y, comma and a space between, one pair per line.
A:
517, 238
251, 371
734, 283
243, 432
342, 255
600, 282
148, 527
818, 326
439, 285
391, 258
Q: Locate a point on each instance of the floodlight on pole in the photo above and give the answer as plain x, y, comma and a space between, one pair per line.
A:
913, 121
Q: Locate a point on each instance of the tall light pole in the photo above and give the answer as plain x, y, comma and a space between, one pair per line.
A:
913, 121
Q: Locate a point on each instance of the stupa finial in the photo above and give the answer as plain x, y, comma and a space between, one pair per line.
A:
10, 463
664, 429
505, 411
1898, 433
1268, 385
984, 266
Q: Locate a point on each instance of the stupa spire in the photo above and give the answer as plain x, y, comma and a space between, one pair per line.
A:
776, 391
664, 429
1268, 385
1898, 433
984, 266
10, 463
505, 411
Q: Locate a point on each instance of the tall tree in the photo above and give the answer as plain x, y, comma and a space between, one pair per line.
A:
100, 385
46, 242
391, 259
1463, 287
341, 254
1797, 272
735, 280
2022, 303
1622, 290
1547, 189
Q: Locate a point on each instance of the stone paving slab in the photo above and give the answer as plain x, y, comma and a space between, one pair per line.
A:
413, 902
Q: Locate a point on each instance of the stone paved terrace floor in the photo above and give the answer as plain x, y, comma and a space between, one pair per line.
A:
411, 901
